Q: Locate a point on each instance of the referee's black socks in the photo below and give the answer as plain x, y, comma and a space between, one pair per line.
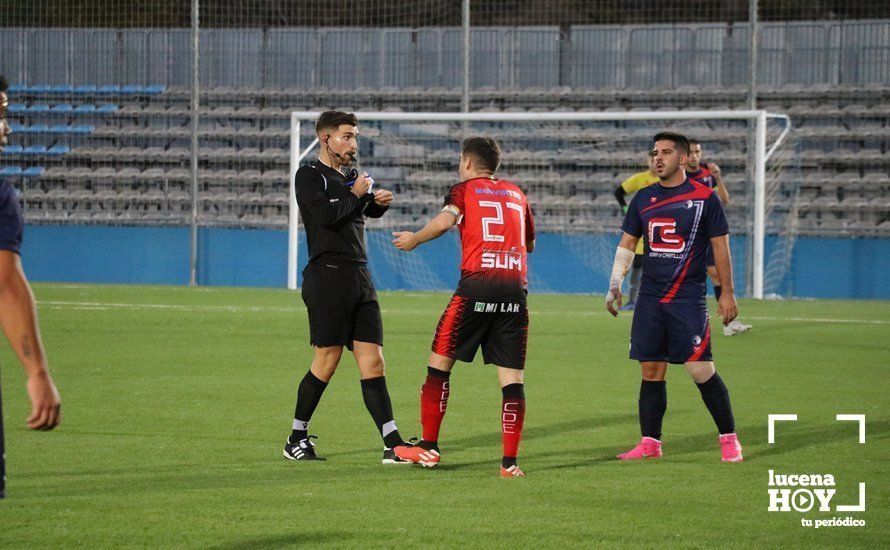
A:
653, 404
377, 401
716, 398
308, 396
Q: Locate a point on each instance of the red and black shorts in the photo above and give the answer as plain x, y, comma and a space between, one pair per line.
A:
499, 327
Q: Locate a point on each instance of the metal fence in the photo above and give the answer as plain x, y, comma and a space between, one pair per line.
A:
98, 147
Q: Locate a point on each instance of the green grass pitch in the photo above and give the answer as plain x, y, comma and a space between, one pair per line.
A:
176, 403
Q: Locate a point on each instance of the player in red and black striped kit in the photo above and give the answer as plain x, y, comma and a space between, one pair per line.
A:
488, 310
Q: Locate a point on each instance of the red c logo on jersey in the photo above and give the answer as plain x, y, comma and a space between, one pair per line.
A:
663, 236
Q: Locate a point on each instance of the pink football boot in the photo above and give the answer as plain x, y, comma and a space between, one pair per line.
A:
648, 448
730, 448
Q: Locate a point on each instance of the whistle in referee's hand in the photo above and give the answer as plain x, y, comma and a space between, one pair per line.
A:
368, 178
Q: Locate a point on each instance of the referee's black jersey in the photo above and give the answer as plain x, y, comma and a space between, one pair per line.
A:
332, 215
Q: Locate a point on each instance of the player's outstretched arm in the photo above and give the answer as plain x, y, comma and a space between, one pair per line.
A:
727, 308
18, 319
406, 240
624, 257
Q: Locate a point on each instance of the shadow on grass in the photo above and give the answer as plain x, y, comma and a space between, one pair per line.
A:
555, 429
289, 540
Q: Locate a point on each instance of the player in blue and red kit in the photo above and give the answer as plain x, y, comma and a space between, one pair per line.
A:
18, 312
709, 174
678, 219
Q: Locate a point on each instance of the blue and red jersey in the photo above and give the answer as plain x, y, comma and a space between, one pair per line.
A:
11, 222
677, 224
703, 176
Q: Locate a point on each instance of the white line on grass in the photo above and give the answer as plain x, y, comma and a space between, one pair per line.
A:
104, 306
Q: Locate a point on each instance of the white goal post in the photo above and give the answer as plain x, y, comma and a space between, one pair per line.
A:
762, 153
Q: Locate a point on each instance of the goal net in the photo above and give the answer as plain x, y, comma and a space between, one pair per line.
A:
569, 164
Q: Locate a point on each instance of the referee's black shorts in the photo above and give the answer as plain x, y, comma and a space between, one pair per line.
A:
342, 304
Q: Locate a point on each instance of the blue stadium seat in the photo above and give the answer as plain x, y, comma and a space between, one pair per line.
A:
32, 171
39, 88
109, 89
58, 150
17, 88
86, 108
16, 107
34, 150
58, 129
38, 108
62, 89
106, 108
62, 108
131, 89
85, 89
82, 129
13, 150
10, 171
154, 89
32, 129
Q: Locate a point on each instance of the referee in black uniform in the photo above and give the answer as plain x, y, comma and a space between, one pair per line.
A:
343, 311
18, 314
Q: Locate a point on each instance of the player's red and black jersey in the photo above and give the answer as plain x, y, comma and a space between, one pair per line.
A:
676, 224
703, 176
495, 222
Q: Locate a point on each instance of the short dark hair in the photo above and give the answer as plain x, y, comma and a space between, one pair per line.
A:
693, 141
333, 119
680, 141
4, 84
485, 150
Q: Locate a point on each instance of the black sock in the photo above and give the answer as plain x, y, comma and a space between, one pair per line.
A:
653, 403
717, 291
377, 401
308, 396
716, 398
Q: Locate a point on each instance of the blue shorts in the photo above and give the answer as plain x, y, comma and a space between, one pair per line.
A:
12, 223
676, 332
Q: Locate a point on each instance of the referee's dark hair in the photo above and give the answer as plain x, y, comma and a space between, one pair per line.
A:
333, 119
4, 84
485, 150
680, 141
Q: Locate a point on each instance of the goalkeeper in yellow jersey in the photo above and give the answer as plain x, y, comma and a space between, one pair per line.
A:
628, 188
